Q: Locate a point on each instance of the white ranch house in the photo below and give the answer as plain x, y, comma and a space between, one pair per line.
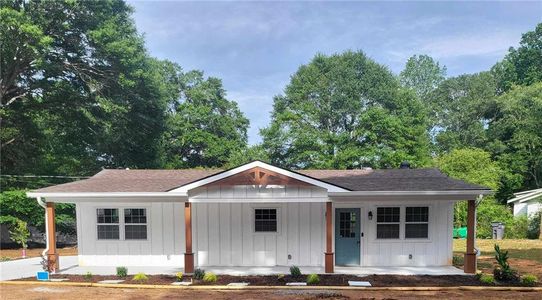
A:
259, 215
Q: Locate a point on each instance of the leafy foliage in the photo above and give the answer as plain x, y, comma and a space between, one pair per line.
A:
529, 280
422, 74
122, 272
346, 111
179, 276
198, 274
295, 271
487, 279
504, 272
88, 276
313, 279
140, 277
20, 234
210, 277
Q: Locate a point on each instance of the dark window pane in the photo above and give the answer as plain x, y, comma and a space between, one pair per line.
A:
347, 222
416, 231
108, 232
388, 214
265, 220
107, 215
387, 231
135, 232
417, 214
135, 215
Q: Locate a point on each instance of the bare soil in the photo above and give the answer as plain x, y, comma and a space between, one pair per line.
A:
17, 292
325, 280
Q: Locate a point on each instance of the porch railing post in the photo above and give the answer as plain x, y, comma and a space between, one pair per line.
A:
52, 254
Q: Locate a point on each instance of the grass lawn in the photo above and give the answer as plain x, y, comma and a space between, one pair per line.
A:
522, 249
8, 254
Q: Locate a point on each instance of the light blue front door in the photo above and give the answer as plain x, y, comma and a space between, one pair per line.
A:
347, 236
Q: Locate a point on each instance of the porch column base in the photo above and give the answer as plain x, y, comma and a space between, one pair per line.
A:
52, 262
329, 262
469, 263
189, 262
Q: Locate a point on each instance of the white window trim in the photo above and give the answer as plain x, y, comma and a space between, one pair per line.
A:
388, 223
122, 224
402, 219
253, 220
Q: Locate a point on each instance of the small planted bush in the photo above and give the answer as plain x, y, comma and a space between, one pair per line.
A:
503, 272
487, 279
313, 279
294, 271
122, 272
88, 276
198, 274
140, 278
281, 277
529, 280
179, 276
210, 277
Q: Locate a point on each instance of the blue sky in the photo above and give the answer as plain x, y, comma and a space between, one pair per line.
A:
254, 47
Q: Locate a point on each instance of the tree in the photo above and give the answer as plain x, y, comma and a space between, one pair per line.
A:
516, 133
521, 66
20, 234
345, 111
462, 108
246, 155
422, 74
83, 93
203, 128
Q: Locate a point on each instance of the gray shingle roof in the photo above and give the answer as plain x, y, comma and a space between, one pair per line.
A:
355, 180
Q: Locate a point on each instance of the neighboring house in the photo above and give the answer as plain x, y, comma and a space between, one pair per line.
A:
261, 215
527, 203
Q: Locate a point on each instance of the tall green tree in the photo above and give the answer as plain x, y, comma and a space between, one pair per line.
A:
346, 111
521, 66
462, 107
516, 133
79, 91
422, 74
204, 128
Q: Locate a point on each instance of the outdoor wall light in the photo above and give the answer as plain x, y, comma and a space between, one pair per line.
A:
370, 215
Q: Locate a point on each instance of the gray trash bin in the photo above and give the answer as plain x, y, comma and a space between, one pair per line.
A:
498, 230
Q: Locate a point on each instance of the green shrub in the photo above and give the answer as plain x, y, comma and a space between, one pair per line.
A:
179, 276
88, 276
503, 272
5, 258
122, 272
313, 279
198, 274
517, 228
529, 280
210, 277
294, 271
19, 233
140, 278
533, 230
487, 279
281, 277
458, 260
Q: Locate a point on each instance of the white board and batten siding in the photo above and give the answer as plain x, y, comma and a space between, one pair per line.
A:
223, 233
165, 244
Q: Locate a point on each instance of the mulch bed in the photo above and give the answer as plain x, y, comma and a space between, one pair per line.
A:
325, 280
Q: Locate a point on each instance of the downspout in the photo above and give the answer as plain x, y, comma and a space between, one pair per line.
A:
478, 202
42, 204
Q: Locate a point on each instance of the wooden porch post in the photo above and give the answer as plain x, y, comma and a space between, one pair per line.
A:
470, 256
188, 255
329, 262
52, 254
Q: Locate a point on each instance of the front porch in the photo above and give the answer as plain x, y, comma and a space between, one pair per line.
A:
71, 266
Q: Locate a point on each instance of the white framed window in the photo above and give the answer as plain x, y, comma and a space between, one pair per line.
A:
417, 222
108, 227
121, 223
266, 220
135, 224
388, 222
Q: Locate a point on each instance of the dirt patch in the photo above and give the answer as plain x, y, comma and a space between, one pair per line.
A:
325, 280
17, 292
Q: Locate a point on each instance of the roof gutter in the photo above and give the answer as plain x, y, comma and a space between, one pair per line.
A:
106, 195
42, 204
411, 193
